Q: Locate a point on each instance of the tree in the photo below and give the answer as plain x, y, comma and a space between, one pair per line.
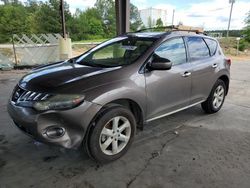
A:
247, 28
159, 22
48, 17
150, 22
106, 9
12, 21
87, 25
135, 19
36, 16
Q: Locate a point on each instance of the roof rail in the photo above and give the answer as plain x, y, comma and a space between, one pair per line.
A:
155, 28
197, 30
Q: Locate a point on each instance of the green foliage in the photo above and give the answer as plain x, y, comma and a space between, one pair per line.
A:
13, 19
232, 33
247, 28
245, 41
135, 19
48, 18
159, 22
35, 16
106, 9
87, 25
243, 45
150, 22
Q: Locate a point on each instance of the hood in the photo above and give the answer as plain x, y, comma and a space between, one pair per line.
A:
63, 77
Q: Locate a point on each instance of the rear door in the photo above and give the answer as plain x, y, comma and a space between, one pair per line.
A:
169, 90
203, 68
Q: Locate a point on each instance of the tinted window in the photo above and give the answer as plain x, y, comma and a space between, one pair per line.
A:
174, 50
212, 44
116, 52
197, 48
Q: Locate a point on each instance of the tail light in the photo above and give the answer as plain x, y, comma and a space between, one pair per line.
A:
228, 61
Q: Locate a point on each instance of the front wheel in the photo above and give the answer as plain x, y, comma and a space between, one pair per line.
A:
112, 134
216, 98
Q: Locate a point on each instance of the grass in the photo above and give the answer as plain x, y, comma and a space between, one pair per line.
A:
90, 41
228, 45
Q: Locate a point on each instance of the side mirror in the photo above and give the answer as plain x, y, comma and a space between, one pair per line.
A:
159, 63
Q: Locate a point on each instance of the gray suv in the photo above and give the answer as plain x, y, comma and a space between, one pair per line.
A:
97, 100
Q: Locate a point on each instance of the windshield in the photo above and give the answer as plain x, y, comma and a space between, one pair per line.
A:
116, 52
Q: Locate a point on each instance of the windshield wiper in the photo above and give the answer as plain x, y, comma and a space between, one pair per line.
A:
72, 60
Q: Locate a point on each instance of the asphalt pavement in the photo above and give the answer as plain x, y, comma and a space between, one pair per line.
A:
186, 149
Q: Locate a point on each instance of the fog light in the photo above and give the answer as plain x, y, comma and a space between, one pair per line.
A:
55, 132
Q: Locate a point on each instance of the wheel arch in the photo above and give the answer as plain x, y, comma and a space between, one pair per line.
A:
132, 105
225, 79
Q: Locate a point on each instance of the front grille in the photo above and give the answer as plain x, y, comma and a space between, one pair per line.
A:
17, 93
21, 95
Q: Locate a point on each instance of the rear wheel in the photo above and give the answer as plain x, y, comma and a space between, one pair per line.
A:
112, 134
216, 98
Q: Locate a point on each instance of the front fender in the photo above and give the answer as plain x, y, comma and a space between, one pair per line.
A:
133, 89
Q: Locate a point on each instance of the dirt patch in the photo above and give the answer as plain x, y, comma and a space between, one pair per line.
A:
239, 57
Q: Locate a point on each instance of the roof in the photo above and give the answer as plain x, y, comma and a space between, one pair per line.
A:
147, 34
157, 32
161, 34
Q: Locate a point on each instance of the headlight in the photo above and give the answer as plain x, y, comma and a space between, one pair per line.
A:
59, 102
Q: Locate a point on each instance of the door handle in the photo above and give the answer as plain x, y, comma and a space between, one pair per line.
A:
186, 74
215, 65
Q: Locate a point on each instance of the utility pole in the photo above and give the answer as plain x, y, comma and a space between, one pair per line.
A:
65, 46
63, 18
232, 4
173, 18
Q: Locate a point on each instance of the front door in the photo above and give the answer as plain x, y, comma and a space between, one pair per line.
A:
169, 90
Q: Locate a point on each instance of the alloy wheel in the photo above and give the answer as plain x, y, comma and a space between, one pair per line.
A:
115, 135
218, 98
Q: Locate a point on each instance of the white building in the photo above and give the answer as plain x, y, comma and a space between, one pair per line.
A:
151, 15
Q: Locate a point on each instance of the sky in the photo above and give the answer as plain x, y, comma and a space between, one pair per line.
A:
210, 14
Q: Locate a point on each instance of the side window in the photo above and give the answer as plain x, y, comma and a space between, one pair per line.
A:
197, 48
174, 50
212, 44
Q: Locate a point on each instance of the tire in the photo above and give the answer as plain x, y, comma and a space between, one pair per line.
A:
114, 129
218, 94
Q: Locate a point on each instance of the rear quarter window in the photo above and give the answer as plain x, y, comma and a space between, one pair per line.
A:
212, 45
197, 48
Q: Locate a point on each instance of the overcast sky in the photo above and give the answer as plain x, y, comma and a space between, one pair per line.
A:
210, 14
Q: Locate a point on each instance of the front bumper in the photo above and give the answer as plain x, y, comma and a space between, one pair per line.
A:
75, 122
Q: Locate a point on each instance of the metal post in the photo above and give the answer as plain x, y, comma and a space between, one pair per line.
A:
238, 44
173, 17
63, 19
14, 49
122, 16
229, 21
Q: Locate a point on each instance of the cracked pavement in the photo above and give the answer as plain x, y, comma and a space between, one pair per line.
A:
186, 149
